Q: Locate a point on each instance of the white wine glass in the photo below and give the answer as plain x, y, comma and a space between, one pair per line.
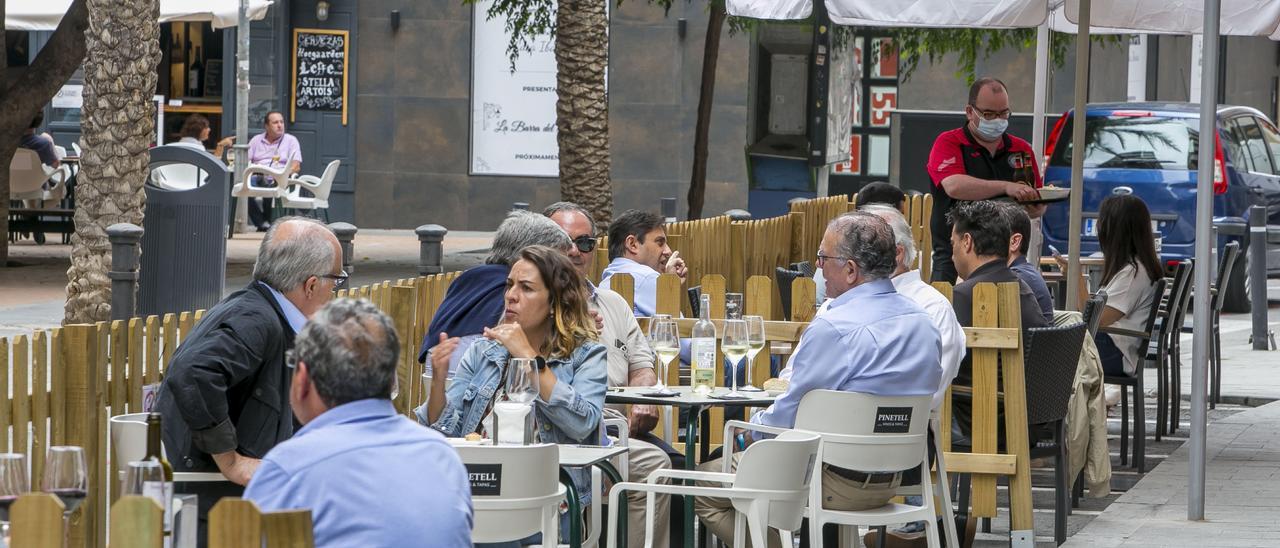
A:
666, 345
734, 343
13, 483
522, 380
755, 343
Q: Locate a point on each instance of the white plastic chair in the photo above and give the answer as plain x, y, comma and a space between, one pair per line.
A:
318, 187
529, 494
129, 443
28, 178
941, 485
769, 489
246, 189
76, 147
847, 423
177, 177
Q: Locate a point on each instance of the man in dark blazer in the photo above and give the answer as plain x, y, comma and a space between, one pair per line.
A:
225, 396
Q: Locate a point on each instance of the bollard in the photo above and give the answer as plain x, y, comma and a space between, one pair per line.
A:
523, 206
1257, 253
346, 233
431, 250
668, 208
125, 251
738, 215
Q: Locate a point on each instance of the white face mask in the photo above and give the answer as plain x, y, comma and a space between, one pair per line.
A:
990, 130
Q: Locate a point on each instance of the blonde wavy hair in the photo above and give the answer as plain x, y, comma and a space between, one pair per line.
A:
572, 323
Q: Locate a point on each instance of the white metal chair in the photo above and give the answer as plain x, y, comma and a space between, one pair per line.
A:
318, 187
129, 443
529, 492
29, 179
769, 489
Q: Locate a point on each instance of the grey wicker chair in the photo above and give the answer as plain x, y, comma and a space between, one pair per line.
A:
785, 277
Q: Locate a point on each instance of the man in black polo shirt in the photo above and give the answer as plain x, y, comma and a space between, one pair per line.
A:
978, 162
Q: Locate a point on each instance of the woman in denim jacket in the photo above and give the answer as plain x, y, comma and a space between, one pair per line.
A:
546, 318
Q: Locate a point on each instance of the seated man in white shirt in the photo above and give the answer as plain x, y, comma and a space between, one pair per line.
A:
638, 246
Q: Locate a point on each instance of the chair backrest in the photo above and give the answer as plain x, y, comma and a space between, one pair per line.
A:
695, 300
76, 147
510, 485
1179, 297
1051, 356
326, 180
1226, 267
1092, 313
784, 278
805, 268
177, 176
26, 173
1149, 327
128, 437
786, 463
865, 432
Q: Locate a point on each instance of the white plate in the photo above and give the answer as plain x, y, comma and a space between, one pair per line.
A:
465, 441
775, 393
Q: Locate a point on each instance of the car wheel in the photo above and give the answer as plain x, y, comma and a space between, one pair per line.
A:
1238, 297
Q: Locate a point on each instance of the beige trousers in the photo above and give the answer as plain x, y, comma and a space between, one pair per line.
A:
644, 459
838, 493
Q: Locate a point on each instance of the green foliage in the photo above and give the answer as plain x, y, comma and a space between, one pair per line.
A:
970, 45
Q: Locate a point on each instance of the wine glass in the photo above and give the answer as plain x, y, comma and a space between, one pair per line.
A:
755, 343
522, 380
666, 344
653, 324
13, 483
733, 306
146, 478
734, 343
66, 477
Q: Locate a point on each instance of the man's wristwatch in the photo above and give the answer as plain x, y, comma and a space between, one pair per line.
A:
541, 362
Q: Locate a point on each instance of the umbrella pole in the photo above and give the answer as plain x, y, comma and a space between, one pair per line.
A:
1037, 127
1077, 158
241, 149
1204, 259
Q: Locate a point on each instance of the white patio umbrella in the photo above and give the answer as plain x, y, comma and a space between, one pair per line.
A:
45, 14
1211, 18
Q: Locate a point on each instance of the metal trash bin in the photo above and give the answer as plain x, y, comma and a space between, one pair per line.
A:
184, 249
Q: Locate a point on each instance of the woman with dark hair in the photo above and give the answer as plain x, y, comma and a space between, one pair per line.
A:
546, 319
1130, 268
194, 133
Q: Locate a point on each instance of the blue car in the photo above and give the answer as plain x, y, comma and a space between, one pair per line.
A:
1150, 150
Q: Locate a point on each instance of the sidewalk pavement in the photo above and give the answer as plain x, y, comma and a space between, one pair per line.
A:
1242, 493
1249, 377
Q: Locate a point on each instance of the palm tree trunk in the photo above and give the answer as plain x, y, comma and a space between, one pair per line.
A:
706, 95
117, 124
582, 109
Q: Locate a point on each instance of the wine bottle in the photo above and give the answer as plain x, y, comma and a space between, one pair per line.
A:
195, 77
175, 68
153, 445
703, 349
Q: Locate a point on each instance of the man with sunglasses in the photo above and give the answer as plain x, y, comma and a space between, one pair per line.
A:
630, 364
978, 161
225, 395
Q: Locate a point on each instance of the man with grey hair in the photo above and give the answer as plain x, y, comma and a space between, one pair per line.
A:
871, 340
224, 399
344, 367
474, 300
630, 363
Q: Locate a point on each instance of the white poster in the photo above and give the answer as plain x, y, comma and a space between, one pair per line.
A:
68, 97
513, 113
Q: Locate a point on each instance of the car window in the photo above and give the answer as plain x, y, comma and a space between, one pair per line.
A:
1231, 144
1272, 138
1133, 142
1254, 145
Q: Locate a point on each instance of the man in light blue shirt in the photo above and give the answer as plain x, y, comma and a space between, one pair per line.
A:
350, 461
870, 340
638, 246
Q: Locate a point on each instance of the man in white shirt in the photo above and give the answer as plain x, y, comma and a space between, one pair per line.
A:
638, 246
935, 304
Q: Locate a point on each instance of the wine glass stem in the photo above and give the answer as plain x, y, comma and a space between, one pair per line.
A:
736, 364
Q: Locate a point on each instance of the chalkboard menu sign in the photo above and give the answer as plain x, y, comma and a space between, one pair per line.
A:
320, 71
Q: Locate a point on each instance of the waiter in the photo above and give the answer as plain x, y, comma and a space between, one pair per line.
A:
979, 161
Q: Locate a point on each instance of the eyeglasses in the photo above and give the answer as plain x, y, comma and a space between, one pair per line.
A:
585, 244
992, 114
823, 258
339, 279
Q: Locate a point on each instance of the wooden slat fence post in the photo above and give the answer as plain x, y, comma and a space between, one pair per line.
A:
235, 523
83, 359
625, 286
5, 402
37, 521
39, 401
136, 522
21, 394
402, 304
